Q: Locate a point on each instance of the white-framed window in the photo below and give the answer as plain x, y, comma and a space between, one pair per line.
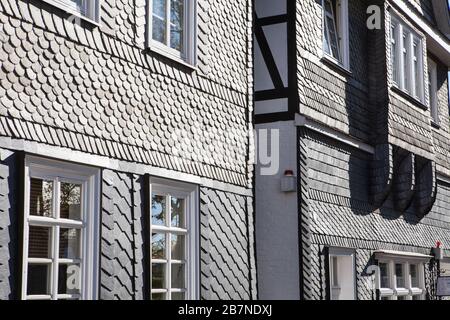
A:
432, 89
87, 9
407, 59
60, 231
336, 31
342, 274
174, 264
401, 278
172, 26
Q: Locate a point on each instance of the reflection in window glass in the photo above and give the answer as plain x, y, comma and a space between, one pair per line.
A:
41, 195
158, 210
159, 21
69, 243
158, 246
177, 244
177, 212
176, 24
70, 201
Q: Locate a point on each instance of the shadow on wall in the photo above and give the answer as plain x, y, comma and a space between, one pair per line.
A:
9, 209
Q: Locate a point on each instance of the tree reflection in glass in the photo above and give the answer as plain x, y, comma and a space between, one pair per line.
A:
176, 24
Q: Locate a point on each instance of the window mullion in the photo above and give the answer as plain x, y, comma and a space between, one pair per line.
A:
55, 231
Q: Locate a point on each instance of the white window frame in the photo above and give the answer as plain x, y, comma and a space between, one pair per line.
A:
90, 11
341, 20
191, 231
89, 178
189, 56
405, 79
433, 91
334, 252
408, 291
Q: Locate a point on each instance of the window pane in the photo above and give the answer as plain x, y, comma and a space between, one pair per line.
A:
399, 275
405, 62
158, 296
41, 195
158, 210
70, 199
39, 243
176, 24
394, 60
38, 279
159, 21
384, 277
334, 263
69, 243
414, 276
417, 74
177, 245
158, 246
178, 276
178, 296
158, 276
69, 276
177, 213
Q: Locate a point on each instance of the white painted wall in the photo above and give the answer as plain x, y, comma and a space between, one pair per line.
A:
277, 223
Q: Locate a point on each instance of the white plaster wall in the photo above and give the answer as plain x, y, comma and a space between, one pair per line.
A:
277, 224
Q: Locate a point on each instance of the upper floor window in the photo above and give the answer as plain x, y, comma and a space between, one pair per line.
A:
432, 89
335, 31
89, 9
172, 28
174, 241
407, 59
60, 236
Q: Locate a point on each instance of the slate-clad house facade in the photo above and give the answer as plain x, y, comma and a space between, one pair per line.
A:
124, 150
361, 105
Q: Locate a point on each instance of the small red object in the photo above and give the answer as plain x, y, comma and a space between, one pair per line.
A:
288, 173
438, 244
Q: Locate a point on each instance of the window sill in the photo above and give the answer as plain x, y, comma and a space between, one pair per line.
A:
156, 49
74, 13
408, 97
332, 62
435, 124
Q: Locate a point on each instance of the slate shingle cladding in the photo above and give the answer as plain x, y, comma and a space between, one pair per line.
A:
99, 90
349, 197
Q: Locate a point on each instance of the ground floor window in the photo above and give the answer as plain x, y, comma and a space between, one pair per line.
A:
174, 240
60, 231
342, 274
401, 276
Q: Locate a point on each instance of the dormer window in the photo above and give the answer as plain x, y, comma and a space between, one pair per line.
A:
407, 59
